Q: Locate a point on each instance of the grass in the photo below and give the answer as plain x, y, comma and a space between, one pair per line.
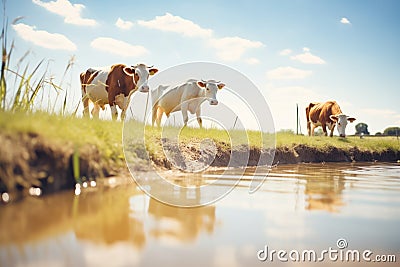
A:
22, 86
106, 135
371, 143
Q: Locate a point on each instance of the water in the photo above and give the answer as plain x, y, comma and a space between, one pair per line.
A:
299, 207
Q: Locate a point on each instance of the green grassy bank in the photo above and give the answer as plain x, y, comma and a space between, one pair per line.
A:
55, 152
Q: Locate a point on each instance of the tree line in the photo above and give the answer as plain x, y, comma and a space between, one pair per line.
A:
362, 128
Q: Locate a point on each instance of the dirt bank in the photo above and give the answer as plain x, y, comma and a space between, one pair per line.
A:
303, 153
30, 160
296, 153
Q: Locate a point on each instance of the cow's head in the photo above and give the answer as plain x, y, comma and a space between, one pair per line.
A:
341, 121
211, 88
140, 74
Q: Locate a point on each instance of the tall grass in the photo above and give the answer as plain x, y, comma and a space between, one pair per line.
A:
28, 82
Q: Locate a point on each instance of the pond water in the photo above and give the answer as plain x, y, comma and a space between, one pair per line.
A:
299, 207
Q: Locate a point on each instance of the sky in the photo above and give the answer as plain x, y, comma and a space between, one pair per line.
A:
294, 51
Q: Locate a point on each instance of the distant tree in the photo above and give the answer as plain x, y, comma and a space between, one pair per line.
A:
394, 131
362, 128
378, 133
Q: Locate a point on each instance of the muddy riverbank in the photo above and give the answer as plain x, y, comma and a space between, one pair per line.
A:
30, 160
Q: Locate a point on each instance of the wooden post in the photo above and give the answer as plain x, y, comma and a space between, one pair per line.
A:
297, 119
234, 124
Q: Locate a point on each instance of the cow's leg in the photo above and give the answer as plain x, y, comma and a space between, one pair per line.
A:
333, 128
114, 112
95, 111
184, 108
154, 115
85, 101
309, 127
312, 129
324, 129
111, 102
199, 120
160, 113
123, 113
85, 98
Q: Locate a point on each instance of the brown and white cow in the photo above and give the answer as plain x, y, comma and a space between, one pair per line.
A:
113, 85
326, 114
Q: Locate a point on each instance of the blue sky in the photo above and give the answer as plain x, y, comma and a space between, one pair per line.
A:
293, 51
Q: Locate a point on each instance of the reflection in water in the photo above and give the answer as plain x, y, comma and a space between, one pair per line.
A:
322, 187
299, 206
172, 223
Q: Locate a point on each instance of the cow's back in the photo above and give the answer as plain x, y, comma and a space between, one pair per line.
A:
321, 112
171, 100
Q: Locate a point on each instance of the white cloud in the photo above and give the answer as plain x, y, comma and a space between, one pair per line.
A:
285, 52
381, 117
288, 73
380, 112
227, 48
171, 23
70, 12
307, 57
43, 38
118, 47
345, 20
252, 61
232, 48
124, 24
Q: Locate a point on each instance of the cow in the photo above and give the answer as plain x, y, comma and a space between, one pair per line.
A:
185, 97
113, 86
326, 114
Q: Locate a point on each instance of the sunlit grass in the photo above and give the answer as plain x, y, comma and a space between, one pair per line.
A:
372, 143
104, 134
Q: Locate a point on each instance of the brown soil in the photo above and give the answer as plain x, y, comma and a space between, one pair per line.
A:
304, 153
28, 160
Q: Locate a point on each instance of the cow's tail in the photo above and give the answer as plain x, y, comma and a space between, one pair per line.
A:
154, 113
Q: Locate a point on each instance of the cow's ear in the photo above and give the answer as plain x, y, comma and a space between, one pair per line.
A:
334, 118
201, 84
220, 85
153, 71
351, 119
129, 71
